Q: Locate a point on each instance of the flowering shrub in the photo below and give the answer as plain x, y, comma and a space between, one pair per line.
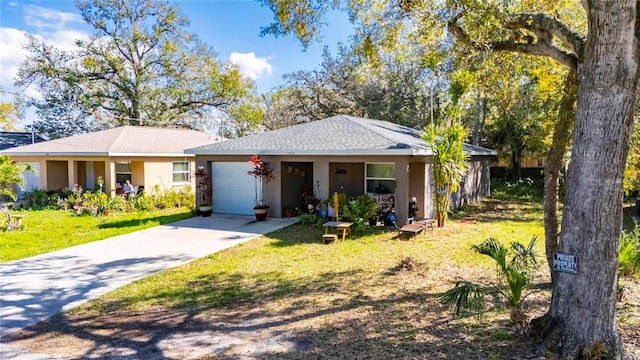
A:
262, 173
203, 186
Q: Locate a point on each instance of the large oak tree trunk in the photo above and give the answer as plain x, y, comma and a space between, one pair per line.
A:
583, 305
559, 145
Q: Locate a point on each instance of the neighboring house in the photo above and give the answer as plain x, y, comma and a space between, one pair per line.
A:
339, 154
146, 156
531, 166
11, 139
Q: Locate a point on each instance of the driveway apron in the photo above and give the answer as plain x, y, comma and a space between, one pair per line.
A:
33, 289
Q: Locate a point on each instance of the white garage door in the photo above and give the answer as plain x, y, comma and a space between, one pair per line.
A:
233, 189
31, 179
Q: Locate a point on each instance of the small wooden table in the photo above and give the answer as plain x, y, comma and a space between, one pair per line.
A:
338, 227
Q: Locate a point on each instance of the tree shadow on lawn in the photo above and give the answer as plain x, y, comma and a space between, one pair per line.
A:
160, 220
298, 234
224, 316
495, 210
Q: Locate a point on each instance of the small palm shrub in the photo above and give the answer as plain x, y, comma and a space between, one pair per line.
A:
40, 199
514, 267
629, 254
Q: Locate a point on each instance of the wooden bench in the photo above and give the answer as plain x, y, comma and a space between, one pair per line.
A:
414, 228
418, 226
329, 238
14, 222
428, 223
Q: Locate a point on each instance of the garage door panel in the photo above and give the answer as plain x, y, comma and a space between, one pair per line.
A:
233, 188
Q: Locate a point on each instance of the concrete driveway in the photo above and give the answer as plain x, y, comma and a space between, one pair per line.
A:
33, 289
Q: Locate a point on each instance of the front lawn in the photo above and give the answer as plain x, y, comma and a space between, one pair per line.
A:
288, 296
49, 230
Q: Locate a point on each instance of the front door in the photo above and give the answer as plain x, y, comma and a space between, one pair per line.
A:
297, 180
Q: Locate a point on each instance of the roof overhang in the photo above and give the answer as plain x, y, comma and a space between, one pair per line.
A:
368, 152
305, 152
94, 154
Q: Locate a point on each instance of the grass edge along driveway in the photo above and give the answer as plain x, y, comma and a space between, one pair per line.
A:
49, 230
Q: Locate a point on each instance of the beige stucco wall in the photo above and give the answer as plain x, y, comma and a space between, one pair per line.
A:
158, 174
418, 186
321, 176
413, 178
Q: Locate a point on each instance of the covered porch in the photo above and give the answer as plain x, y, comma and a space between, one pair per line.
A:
56, 173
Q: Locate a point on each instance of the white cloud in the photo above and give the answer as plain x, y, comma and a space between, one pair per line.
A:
52, 26
46, 19
11, 55
251, 66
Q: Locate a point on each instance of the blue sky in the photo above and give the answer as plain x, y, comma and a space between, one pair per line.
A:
232, 27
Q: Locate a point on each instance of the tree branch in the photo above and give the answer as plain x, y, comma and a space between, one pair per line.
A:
543, 23
542, 44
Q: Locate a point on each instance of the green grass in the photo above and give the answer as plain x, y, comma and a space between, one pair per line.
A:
48, 230
351, 299
294, 261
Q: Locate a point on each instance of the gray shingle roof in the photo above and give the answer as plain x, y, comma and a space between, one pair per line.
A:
122, 140
337, 135
10, 139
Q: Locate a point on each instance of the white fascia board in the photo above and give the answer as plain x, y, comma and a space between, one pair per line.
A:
57, 153
97, 154
304, 152
182, 154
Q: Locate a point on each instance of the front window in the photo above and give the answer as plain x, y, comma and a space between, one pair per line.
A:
123, 172
181, 172
380, 178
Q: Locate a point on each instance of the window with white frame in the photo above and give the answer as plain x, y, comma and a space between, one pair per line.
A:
380, 178
123, 172
181, 172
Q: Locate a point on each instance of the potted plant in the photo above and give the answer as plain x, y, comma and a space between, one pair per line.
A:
204, 192
262, 174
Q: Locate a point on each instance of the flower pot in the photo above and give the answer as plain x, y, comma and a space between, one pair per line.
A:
205, 210
260, 213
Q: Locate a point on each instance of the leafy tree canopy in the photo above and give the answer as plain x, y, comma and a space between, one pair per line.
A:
8, 119
140, 67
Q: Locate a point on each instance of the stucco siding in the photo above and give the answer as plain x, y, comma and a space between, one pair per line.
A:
63, 172
417, 186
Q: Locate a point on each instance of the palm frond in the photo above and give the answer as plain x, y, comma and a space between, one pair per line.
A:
467, 298
517, 280
494, 249
525, 257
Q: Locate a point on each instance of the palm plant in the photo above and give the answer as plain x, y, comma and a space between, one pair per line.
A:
11, 173
629, 254
513, 277
450, 163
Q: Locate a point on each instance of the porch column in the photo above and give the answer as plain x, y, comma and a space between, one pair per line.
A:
71, 173
321, 179
402, 190
43, 175
110, 177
